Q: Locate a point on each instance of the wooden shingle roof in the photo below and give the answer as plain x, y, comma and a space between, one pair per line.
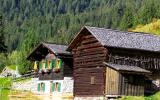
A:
127, 68
57, 49
44, 48
120, 39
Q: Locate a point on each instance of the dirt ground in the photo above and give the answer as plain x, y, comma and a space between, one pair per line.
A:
31, 96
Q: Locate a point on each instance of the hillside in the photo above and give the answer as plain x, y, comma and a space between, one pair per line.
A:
153, 27
28, 22
46, 20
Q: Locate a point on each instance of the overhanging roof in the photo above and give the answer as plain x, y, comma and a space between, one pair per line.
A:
120, 39
127, 68
44, 48
57, 49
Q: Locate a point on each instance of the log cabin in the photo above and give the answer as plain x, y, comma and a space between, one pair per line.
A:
53, 69
110, 63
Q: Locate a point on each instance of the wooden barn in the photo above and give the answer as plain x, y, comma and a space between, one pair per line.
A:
53, 69
111, 63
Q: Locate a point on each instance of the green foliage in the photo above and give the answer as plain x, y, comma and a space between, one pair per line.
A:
3, 61
5, 85
152, 97
14, 58
47, 19
13, 67
133, 98
5, 93
5, 82
29, 22
3, 47
153, 27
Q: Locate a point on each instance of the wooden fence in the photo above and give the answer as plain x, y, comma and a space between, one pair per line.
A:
29, 74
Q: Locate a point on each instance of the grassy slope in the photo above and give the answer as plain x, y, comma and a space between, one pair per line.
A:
153, 27
5, 84
153, 97
12, 67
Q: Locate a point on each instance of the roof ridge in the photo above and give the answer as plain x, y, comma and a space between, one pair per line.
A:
130, 32
53, 43
98, 27
145, 33
122, 39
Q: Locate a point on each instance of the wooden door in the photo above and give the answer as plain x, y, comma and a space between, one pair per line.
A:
112, 80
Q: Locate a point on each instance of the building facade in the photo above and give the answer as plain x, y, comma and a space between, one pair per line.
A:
110, 63
53, 69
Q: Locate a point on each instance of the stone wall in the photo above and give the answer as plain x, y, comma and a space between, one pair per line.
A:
27, 85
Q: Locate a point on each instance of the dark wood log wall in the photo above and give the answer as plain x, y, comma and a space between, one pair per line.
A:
52, 75
68, 67
65, 71
88, 57
144, 60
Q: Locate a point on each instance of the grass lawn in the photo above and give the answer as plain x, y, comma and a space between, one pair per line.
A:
152, 97
24, 80
12, 67
4, 94
5, 84
22, 95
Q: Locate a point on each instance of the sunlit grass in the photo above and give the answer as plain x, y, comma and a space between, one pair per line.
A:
153, 27
22, 95
152, 97
5, 85
12, 67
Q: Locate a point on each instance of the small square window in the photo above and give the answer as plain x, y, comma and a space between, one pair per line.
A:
92, 79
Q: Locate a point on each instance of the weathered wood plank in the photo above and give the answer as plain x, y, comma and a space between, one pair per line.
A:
93, 45
89, 57
88, 36
90, 40
88, 61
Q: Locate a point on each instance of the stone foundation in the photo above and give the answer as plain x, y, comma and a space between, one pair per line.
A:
89, 98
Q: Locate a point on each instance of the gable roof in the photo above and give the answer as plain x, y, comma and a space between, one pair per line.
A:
57, 49
127, 68
120, 39
44, 48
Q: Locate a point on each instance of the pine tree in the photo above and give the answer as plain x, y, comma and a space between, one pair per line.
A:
3, 47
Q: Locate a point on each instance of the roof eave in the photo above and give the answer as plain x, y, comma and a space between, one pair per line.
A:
131, 48
126, 71
71, 43
33, 51
76, 36
137, 72
37, 48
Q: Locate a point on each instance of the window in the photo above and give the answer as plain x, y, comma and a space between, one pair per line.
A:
41, 87
56, 87
92, 79
130, 79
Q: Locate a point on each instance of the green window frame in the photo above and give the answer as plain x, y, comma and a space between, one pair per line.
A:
51, 64
40, 66
38, 87
59, 87
60, 64
53, 87
43, 87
